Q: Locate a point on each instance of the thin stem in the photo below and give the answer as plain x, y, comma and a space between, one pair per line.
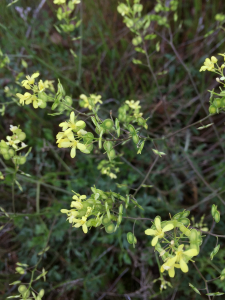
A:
38, 197
206, 285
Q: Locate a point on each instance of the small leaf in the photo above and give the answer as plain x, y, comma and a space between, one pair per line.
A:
136, 61
214, 252
15, 282
215, 294
194, 288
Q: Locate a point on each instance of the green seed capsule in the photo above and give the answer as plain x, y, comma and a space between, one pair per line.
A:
11, 152
131, 238
21, 136
212, 109
193, 236
105, 220
6, 156
217, 102
217, 216
135, 138
43, 104
109, 228
107, 124
131, 129
22, 160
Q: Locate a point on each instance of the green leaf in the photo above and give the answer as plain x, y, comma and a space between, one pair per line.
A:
194, 288
150, 36
214, 252
215, 294
136, 61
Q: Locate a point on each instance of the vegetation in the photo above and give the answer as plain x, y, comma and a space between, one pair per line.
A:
112, 149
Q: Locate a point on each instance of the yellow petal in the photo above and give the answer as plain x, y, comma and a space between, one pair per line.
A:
150, 232
183, 266
191, 252
72, 117
73, 152
158, 223
81, 146
85, 229
168, 227
155, 241
171, 272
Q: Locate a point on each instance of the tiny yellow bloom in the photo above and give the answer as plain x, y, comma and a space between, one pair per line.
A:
72, 124
30, 79
12, 142
67, 143
81, 222
24, 98
132, 104
208, 65
41, 86
159, 232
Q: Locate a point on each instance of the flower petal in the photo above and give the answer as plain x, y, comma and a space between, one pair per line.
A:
191, 252
73, 152
183, 266
157, 223
155, 241
168, 227
171, 272
150, 232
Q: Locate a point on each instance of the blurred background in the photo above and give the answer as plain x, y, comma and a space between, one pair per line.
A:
191, 175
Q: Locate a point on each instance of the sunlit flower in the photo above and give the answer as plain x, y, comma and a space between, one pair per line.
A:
24, 98
72, 124
30, 80
159, 232
208, 64
133, 104
67, 143
12, 142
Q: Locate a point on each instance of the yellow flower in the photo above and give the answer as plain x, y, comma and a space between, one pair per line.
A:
132, 104
81, 222
159, 232
30, 80
24, 98
36, 101
179, 258
72, 124
92, 100
214, 59
41, 86
208, 65
78, 203
66, 143
12, 142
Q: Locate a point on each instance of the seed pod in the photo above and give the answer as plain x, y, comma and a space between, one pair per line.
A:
21, 136
193, 236
109, 228
141, 121
108, 145
217, 102
217, 216
213, 210
43, 104
214, 252
131, 129
11, 152
135, 138
22, 160
107, 124
20, 270
185, 221
212, 109
121, 209
119, 219
16, 159
105, 220
137, 7
130, 238
6, 156
185, 214
112, 154
22, 289
127, 201
223, 102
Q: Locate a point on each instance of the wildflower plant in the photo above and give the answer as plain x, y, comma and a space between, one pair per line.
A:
87, 129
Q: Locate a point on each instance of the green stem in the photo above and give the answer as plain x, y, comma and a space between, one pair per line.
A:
38, 197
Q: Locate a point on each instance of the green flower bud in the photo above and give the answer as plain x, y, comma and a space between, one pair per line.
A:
137, 40
106, 220
112, 154
131, 129
22, 160
213, 210
43, 104
108, 146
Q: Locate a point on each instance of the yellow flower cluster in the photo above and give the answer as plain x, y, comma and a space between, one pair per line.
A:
67, 139
73, 214
29, 84
91, 101
209, 64
181, 257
